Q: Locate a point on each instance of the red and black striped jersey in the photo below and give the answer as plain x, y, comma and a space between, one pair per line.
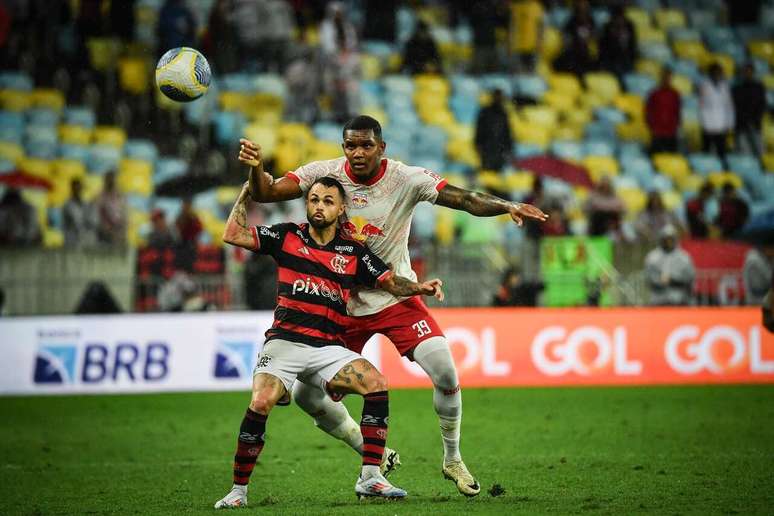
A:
315, 281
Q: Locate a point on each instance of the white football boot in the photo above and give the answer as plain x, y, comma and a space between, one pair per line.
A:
459, 474
237, 497
377, 487
390, 461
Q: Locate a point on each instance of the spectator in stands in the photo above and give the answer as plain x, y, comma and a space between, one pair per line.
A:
180, 294
536, 197
696, 211
669, 272
247, 22
111, 212
302, 79
277, 35
516, 291
604, 209
557, 224
19, 224
618, 44
732, 211
219, 43
757, 274
80, 218
420, 55
341, 61
189, 227
177, 26
493, 138
750, 105
526, 32
380, 20
485, 16
716, 112
654, 218
161, 235
122, 20
662, 113
579, 38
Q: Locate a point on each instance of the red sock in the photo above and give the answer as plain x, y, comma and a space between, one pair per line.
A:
249, 446
373, 426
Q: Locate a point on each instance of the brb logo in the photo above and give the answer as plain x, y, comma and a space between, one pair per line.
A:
584, 351
97, 363
719, 350
234, 360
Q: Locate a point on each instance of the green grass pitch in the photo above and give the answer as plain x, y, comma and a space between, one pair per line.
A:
662, 450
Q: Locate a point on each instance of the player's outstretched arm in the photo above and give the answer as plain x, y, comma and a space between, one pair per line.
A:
263, 187
402, 287
485, 205
236, 232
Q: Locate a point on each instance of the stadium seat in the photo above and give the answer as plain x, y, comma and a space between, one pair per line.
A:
68, 169
599, 147
602, 84
559, 101
669, 18
639, 17
42, 116
141, 149
47, 98
565, 83
639, 84
109, 135
41, 141
718, 179
693, 51
15, 100
631, 104
75, 152
288, 157
82, 116
691, 183
502, 82
39, 168
264, 136
103, 53
704, 163
75, 134
684, 34
530, 134
568, 131
768, 162
103, 159
650, 36
633, 131
540, 115
168, 168
763, 49
520, 181
725, 61
398, 84
134, 75
15, 80
657, 52
568, 150
683, 84
229, 127
320, 150
52, 238
675, 166
12, 152
611, 115
673, 201
135, 177
649, 67
599, 166
530, 86
634, 199
433, 84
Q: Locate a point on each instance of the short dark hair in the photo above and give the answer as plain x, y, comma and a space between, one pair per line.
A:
328, 182
363, 123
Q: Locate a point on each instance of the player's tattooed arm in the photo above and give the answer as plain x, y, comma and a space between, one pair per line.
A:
485, 205
404, 287
263, 187
237, 232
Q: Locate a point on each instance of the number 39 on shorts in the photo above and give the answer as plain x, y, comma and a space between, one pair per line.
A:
422, 328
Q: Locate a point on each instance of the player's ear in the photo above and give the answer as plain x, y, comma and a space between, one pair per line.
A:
382, 146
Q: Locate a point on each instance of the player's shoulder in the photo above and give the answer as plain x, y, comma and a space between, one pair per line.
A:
412, 172
278, 230
346, 244
326, 166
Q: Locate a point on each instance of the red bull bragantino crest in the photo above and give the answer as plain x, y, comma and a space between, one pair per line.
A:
359, 200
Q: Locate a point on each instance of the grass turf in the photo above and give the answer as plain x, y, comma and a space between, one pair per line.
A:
689, 450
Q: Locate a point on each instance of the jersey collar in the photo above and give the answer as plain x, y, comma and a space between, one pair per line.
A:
370, 182
305, 230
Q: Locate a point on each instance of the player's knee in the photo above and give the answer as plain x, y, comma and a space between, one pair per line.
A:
376, 383
262, 402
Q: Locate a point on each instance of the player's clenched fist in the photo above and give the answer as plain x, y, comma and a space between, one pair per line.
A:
433, 288
249, 153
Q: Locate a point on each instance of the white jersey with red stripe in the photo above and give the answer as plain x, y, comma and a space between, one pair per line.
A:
378, 214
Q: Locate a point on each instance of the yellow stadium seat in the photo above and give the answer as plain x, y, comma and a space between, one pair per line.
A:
690, 183
440, 116
457, 180
371, 67
459, 131
75, 134
38, 199
578, 117
552, 43
634, 199
92, 186
593, 100
559, 101
649, 67
395, 60
52, 238
669, 18
725, 61
492, 180
444, 227
377, 113
718, 179
11, 151
463, 151
768, 81
431, 83
565, 84
520, 181
266, 101
69, 169
295, 135
638, 16
133, 75
602, 84
288, 157
235, 101
692, 50
103, 53
533, 134
60, 191
633, 131
540, 115
683, 84
13, 100
673, 165
763, 49
599, 166
646, 35
39, 168
768, 161
226, 195
48, 98
572, 132
109, 135
581, 193
264, 136
321, 150
630, 104
134, 176
672, 200
691, 133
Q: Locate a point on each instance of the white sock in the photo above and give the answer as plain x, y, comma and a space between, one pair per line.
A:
369, 471
241, 488
434, 356
329, 416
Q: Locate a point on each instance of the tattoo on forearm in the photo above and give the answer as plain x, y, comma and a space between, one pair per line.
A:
476, 203
403, 286
239, 213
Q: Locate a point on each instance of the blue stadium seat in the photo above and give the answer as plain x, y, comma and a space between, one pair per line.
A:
82, 116
567, 150
171, 206
599, 147
55, 217
42, 116
241, 82
11, 126
138, 202
639, 84
14, 80
372, 93
430, 163
702, 18
662, 183
169, 168
465, 108
527, 150
610, 114
688, 68
684, 34
76, 152
704, 164
498, 81
558, 17
327, 131
6, 167
141, 149
601, 16
530, 86
103, 159
657, 51
229, 127
271, 83
381, 49
430, 141
600, 129
628, 150
41, 141
404, 23
465, 85
398, 84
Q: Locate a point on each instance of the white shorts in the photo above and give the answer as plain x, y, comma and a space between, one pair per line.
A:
290, 360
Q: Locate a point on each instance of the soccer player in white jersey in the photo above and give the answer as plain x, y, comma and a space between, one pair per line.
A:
381, 197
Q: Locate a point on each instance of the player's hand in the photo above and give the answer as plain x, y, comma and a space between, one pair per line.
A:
250, 153
519, 211
433, 288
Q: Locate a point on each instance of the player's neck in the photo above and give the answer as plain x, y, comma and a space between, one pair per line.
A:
324, 236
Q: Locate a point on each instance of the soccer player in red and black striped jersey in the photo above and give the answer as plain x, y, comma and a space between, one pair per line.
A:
317, 269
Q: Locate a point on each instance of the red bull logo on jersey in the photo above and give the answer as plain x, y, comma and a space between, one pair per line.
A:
359, 200
360, 229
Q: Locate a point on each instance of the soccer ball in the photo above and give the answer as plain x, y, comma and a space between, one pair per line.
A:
183, 74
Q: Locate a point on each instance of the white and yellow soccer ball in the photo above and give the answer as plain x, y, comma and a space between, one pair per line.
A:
183, 74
